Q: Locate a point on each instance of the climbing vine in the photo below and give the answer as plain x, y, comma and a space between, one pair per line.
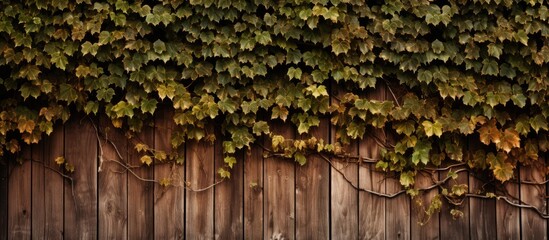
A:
466, 80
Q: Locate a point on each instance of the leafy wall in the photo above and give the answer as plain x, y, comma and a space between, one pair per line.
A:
459, 73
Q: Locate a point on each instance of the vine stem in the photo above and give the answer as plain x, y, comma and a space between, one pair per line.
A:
71, 180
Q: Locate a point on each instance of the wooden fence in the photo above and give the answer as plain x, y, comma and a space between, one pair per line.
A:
265, 198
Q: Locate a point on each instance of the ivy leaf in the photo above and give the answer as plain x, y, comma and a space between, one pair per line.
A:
59, 59
538, 122
279, 112
407, 178
148, 105
437, 46
123, 109
224, 173
67, 93
522, 37
489, 133
509, 139
60, 160
263, 37
432, 128
294, 73
230, 161
159, 46
261, 127
140, 147
490, 67
146, 159
340, 46
300, 158
227, 105
495, 50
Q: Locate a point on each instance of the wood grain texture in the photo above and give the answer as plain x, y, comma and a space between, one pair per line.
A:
344, 197
398, 222
53, 194
532, 225
313, 193
450, 227
371, 208
508, 217
200, 173
482, 212
141, 193
430, 229
19, 192
169, 209
229, 204
279, 208
38, 187
81, 198
4, 198
112, 183
253, 192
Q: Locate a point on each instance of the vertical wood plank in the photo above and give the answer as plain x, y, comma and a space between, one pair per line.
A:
508, 224
398, 215
4, 197
344, 197
19, 197
54, 193
279, 208
141, 193
430, 229
169, 210
200, 173
81, 198
38, 191
228, 209
112, 183
313, 193
253, 193
482, 212
455, 228
532, 225
371, 208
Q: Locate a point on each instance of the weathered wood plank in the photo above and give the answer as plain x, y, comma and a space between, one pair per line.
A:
200, 174
279, 208
53, 194
313, 193
344, 197
508, 224
141, 193
430, 228
253, 193
38, 191
169, 209
81, 198
398, 215
229, 202
4, 197
450, 227
371, 208
19, 197
112, 183
482, 212
532, 225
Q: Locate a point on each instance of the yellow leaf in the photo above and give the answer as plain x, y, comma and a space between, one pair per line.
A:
146, 159
165, 182
510, 139
60, 160
489, 132
140, 147
69, 167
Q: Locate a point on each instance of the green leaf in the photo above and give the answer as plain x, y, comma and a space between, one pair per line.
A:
432, 128
224, 173
490, 67
300, 158
407, 178
230, 161
522, 37
148, 105
437, 46
261, 127
67, 93
123, 109
294, 73
495, 50
539, 122
159, 46
263, 37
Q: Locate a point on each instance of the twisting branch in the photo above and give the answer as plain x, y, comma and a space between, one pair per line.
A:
100, 156
65, 176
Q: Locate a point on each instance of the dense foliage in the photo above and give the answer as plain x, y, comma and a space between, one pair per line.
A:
460, 73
